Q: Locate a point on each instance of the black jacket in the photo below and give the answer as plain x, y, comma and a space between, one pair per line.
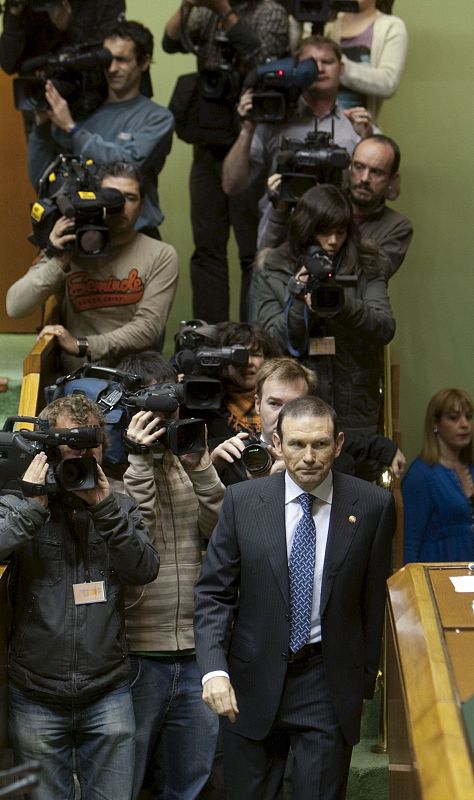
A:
57, 648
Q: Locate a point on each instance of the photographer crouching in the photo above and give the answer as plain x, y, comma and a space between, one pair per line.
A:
229, 39
72, 553
114, 286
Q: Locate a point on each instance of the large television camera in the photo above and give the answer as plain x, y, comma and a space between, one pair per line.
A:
324, 285
77, 73
119, 395
18, 449
34, 5
201, 366
68, 187
277, 87
305, 163
181, 435
220, 80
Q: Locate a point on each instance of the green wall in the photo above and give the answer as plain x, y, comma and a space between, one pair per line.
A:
432, 119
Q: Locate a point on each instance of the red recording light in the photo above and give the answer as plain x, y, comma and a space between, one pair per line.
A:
280, 73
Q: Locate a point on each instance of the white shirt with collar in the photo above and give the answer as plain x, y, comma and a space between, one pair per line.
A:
321, 516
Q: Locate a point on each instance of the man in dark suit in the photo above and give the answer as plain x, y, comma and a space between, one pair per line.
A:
289, 613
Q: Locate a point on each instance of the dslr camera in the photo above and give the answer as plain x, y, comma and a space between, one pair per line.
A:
256, 457
326, 288
18, 449
68, 188
305, 163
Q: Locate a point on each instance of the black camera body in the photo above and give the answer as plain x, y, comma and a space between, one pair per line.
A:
69, 188
219, 79
326, 288
181, 435
202, 368
305, 163
320, 11
256, 457
18, 449
77, 73
277, 87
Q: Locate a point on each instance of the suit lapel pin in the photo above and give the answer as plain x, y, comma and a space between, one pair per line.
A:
352, 519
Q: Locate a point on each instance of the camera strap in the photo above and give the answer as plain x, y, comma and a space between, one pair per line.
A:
293, 351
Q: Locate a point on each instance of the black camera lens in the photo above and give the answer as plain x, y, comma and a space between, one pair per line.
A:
256, 458
74, 474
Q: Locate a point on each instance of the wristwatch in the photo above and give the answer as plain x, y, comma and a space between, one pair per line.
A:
82, 346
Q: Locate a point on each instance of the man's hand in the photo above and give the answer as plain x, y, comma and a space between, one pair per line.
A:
66, 340
62, 235
144, 428
361, 121
245, 104
219, 695
36, 473
99, 492
229, 451
59, 112
398, 464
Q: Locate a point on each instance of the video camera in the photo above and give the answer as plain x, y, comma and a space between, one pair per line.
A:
18, 449
220, 79
326, 288
202, 366
305, 163
181, 435
77, 73
277, 86
35, 5
119, 395
320, 11
68, 187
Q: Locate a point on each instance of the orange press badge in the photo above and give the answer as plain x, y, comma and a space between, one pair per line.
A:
322, 346
91, 592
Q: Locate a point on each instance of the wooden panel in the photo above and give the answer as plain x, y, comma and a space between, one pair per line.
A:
16, 195
434, 729
4, 759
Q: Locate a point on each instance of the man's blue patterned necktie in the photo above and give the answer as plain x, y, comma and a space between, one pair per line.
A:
301, 571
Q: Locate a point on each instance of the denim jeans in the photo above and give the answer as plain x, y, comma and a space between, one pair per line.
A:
100, 733
176, 732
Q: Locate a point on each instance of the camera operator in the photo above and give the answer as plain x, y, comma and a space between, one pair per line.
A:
342, 342
237, 412
256, 30
255, 150
278, 381
128, 126
72, 554
28, 33
111, 305
180, 498
373, 178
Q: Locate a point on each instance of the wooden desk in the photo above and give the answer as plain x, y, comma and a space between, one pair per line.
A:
430, 677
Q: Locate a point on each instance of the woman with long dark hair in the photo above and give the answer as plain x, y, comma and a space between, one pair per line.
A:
337, 327
438, 490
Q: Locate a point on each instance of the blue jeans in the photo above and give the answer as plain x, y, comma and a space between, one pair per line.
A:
176, 732
100, 733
